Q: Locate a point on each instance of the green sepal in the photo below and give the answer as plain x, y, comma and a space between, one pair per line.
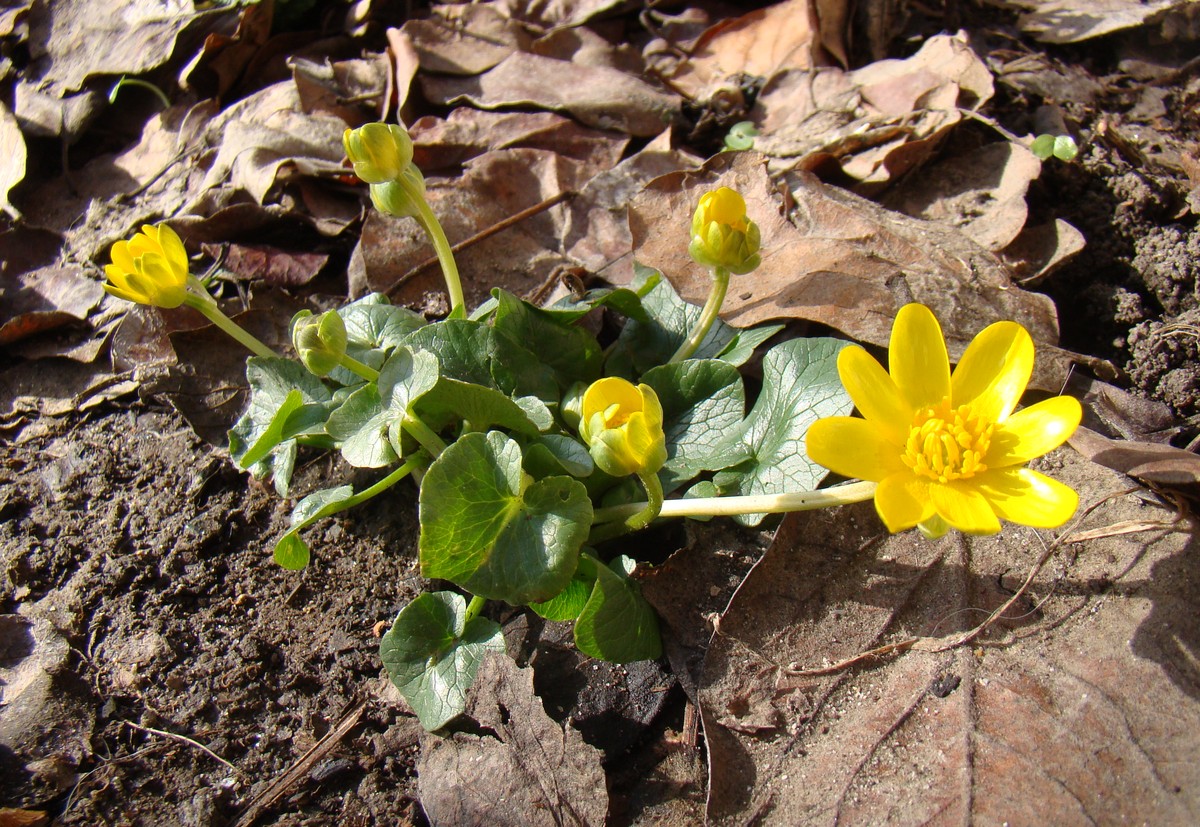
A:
432, 654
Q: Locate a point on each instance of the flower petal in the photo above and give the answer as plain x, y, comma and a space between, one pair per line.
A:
853, 447
917, 357
994, 371
902, 501
1033, 431
1026, 497
963, 506
121, 257
874, 393
173, 249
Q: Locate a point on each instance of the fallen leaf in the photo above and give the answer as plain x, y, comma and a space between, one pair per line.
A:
598, 96
759, 44
981, 192
464, 40
12, 149
959, 732
337, 88
219, 66
524, 768
837, 259
1150, 462
249, 262
1070, 21
46, 299
1038, 251
12, 817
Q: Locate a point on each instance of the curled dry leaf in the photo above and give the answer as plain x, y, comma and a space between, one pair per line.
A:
1150, 462
12, 150
1042, 719
526, 769
876, 122
1070, 21
837, 259
46, 299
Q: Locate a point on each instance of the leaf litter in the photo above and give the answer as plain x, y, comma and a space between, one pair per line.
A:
579, 114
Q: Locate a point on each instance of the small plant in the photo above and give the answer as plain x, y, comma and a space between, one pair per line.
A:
1062, 147
529, 463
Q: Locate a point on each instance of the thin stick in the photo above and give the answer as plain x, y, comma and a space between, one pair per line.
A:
185, 740
483, 234
277, 788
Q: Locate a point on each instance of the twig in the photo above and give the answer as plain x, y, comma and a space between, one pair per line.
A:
483, 234
185, 740
277, 788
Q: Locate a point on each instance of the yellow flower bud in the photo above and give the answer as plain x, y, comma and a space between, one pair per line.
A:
380, 152
722, 235
622, 424
320, 341
150, 268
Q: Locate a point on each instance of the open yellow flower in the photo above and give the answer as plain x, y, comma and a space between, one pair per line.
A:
722, 235
622, 424
150, 268
947, 450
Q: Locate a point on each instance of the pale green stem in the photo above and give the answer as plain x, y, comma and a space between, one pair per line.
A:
410, 465
716, 297
423, 434
141, 84
854, 492
639, 519
207, 305
441, 245
365, 371
473, 608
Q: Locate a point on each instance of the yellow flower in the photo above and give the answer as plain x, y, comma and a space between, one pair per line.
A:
947, 450
380, 152
722, 235
150, 268
622, 425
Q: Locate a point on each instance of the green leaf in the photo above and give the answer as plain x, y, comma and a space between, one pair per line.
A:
741, 347
570, 351
800, 386
647, 344
482, 407
567, 604
291, 552
272, 381
617, 624
361, 425
703, 401
432, 654
273, 434
1042, 146
405, 377
1065, 148
552, 454
621, 299
486, 527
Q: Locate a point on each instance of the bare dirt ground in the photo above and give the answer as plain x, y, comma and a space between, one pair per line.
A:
159, 669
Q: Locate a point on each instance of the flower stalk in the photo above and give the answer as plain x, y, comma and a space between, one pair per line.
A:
708, 315
848, 494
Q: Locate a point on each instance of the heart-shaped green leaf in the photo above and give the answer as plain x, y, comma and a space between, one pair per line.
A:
487, 527
362, 425
432, 653
800, 386
617, 624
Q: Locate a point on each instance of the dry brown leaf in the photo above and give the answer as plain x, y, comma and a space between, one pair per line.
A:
261, 262
464, 40
1040, 250
1070, 21
220, 65
839, 260
13, 16
1044, 721
12, 150
337, 88
596, 95
72, 40
981, 192
524, 769
11, 817
46, 299
759, 44
408, 62
876, 122
556, 13
1150, 462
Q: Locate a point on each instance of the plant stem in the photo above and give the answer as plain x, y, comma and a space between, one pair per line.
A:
441, 245
365, 371
207, 305
473, 608
423, 434
639, 519
411, 464
854, 492
716, 297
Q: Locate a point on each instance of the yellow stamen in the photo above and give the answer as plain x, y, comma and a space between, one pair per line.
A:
947, 443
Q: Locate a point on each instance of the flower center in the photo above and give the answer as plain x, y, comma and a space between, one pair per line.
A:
947, 443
